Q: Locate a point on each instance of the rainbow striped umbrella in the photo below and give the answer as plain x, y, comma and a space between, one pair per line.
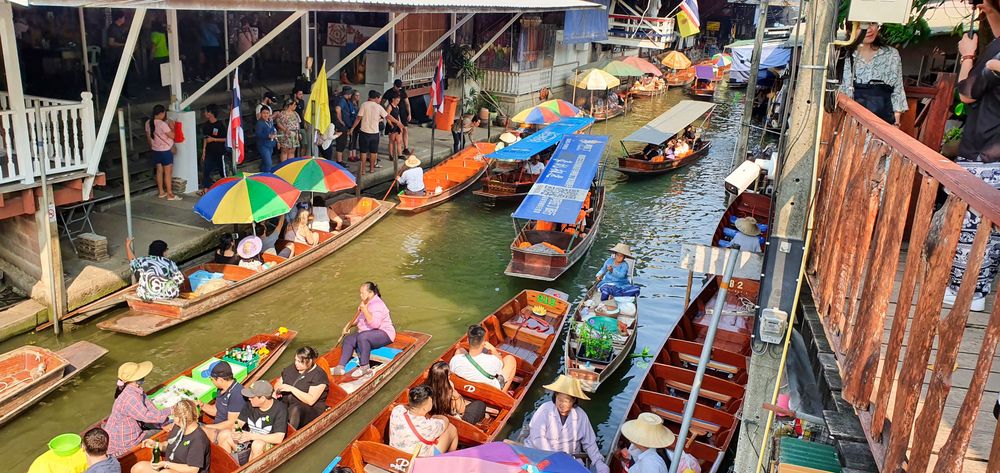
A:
315, 174
546, 112
246, 200
721, 59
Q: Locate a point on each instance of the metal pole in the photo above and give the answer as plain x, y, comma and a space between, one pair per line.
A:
732, 256
83, 47
125, 177
741, 146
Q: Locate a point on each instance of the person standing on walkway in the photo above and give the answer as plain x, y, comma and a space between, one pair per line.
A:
370, 116
979, 151
160, 137
114, 50
213, 148
211, 45
344, 114
267, 138
269, 100
287, 121
873, 76
245, 38
352, 144
405, 117
394, 132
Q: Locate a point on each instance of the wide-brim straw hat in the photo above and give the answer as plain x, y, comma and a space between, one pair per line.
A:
748, 225
131, 371
623, 249
508, 137
249, 247
567, 385
648, 431
412, 162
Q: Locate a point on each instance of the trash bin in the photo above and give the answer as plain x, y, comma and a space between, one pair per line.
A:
444, 120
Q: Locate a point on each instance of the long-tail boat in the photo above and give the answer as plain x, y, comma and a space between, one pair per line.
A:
704, 82
451, 176
569, 193
29, 373
505, 179
268, 348
507, 329
586, 328
346, 394
746, 204
660, 130
148, 317
680, 77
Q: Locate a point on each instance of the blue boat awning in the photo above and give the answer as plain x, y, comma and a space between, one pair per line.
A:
542, 139
558, 194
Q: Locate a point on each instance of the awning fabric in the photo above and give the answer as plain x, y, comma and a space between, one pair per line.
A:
397, 6
586, 26
704, 72
558, 194
773, 54
671, 122
541, 139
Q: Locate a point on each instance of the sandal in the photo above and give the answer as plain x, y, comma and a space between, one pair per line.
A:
378, 166
174, 198
162, 196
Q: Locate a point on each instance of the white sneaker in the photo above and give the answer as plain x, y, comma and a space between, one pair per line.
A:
978, 300
949, 296
361, 372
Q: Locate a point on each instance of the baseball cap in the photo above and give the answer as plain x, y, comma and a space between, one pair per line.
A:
270, 95
397, 83
219, 369
259, 388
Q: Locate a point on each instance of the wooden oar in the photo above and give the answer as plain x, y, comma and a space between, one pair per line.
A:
349, 322
387, 191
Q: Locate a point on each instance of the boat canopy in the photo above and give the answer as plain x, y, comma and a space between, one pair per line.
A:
541, 139
704, 72
558, 194
671, 122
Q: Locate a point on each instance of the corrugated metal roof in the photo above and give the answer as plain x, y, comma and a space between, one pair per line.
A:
671, 122
396, 6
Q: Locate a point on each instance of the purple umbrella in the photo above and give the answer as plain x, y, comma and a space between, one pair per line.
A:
499, 457
705, 72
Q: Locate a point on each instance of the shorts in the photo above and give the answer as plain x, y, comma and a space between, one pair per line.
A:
163, 158
367, 142
342, 140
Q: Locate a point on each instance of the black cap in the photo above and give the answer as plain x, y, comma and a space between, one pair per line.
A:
219, 369
270, 95
346, 89
397, 83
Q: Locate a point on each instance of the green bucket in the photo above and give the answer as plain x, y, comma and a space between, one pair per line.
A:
601, 323
65, 445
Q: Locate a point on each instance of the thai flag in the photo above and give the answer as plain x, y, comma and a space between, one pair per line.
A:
437, 86
690, 7
234, 138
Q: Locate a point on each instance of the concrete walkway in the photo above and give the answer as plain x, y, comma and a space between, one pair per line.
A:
187, 234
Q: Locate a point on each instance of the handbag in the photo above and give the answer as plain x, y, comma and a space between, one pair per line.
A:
876, 96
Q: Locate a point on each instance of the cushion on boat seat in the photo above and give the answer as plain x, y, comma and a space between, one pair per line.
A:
522, 353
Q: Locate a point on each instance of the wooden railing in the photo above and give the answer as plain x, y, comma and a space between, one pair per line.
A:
60, 135
528, 82
876, 183
421, 71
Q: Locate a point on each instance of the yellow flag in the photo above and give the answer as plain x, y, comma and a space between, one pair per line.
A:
685, 26
318, 109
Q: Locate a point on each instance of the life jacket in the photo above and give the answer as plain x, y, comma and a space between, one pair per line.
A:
543, 226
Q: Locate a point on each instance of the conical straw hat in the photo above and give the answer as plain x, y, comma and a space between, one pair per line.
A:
567, 385
648, 431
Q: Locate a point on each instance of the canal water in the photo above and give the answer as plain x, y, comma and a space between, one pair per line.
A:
438, 271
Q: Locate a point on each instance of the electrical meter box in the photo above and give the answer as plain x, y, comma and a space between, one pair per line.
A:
773, 325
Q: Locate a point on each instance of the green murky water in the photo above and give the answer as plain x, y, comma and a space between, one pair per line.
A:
438, 271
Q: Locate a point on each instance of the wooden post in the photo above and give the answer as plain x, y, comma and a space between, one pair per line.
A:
49, 251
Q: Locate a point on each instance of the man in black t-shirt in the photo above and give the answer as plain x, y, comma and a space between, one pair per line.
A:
117, 34
262, 424
213, 148
405, 116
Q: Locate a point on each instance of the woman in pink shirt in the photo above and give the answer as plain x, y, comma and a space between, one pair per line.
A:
160, 135
375, 330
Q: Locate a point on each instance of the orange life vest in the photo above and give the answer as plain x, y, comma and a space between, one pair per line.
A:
544, 226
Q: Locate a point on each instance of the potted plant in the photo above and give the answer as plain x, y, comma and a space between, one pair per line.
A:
951, 140
595, 346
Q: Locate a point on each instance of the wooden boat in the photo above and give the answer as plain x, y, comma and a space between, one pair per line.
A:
746, 204
735, 326
504, 180
145, 318
276, 343
29, 373
452, 176
530, 263
679, 78
592, 373
723, 364
703, 88
634, 165
345, 396
660, 130
608, 113
505, 330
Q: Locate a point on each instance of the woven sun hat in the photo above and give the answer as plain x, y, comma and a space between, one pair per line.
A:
567, 385
412, 161
623, 249
538, 310
748, 225
508, 137
249, 247
648, 431
131, 371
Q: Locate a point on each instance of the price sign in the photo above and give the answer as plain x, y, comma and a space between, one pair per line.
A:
547, 300
713, 26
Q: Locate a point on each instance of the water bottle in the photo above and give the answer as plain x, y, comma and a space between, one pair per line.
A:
156, 453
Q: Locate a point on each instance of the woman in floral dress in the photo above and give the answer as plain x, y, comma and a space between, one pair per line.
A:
288, 123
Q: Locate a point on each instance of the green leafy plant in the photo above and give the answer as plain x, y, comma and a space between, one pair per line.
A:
595, 344
458, 61
954, 134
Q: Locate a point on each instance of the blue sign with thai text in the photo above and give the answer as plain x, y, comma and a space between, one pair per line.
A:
542, 139
558, 194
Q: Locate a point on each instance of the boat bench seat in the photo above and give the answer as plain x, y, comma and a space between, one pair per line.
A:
698, 427
719, 397
715, 365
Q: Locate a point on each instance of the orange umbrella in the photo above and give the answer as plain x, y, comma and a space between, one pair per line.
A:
676, 60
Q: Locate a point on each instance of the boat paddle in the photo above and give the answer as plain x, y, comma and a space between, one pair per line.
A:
349, 322
387, 191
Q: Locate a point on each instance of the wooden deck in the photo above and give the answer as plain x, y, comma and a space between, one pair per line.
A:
978, 453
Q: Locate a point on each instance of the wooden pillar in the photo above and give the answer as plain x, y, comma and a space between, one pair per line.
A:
15, 91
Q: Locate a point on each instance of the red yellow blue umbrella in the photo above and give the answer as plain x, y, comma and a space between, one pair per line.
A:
721, 59
246, 200
315, 174
546, 112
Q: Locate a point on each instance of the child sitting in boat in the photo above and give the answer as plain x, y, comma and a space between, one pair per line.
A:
412, 425
249, 253
481, 363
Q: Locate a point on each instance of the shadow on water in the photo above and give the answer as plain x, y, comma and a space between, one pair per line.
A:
439, 271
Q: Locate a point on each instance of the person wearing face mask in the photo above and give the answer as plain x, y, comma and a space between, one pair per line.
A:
563, 426
187, 448
873, 75
375, 330
132, 411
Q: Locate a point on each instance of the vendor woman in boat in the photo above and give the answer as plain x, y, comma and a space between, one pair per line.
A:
187, 448
133, 415
615, 269
646, 434
563, 426
375, 330
303, 386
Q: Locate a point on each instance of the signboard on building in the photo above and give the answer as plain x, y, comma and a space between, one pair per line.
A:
713, 26
880, 11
